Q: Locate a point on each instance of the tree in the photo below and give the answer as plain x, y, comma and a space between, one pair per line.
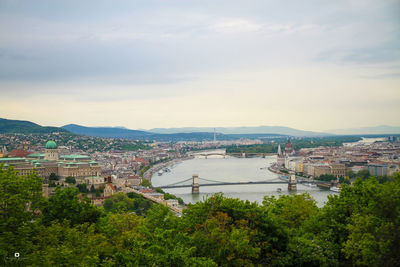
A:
82, 188
20, 199
65, 205
53, 177
131, 202
351, 174
61, 245
70, 180
291, 210
146, 183
363, 222
364, 174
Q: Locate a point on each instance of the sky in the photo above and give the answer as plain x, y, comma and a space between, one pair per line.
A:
311, 64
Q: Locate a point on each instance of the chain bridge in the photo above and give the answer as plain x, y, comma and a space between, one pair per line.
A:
195, 184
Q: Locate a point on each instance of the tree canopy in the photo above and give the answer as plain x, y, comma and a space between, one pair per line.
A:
358, 227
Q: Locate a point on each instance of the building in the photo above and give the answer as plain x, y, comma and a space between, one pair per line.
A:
280, 157
289, 150
377, 169
338, 170
77, 166
109, 190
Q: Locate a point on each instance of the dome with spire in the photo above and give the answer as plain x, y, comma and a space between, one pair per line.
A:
51, 145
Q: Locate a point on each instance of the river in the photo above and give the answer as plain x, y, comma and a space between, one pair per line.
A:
231, 169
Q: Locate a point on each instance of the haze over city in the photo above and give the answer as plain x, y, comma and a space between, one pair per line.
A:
309, 65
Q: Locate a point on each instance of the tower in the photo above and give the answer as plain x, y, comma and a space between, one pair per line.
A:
51, 151
280, 157
195, 184
289, 150
292, 185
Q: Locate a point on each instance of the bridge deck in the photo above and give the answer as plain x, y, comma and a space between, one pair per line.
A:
236, 183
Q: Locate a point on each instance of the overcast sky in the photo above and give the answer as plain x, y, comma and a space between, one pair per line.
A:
312, 65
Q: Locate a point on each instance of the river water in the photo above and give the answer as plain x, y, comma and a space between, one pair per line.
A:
231, 169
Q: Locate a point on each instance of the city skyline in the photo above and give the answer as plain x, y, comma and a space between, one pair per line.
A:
311, 66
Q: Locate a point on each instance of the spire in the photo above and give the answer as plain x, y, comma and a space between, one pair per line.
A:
279, 150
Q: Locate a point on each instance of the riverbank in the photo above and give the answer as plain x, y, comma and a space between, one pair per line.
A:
149, 173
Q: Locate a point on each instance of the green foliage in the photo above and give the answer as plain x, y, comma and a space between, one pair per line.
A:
82, 188
351, 174
169, 196
298, 143
52, 184
53, 177
326, 177
65, 205
358, 227
70, 180
146, 183
20, 199
292, 211
143, 170
27, 127
364, 174
135, 146
119, 203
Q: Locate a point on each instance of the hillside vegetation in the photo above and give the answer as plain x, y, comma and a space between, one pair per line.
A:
25, 127
359, 227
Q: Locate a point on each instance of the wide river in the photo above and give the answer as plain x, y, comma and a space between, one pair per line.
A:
231, 169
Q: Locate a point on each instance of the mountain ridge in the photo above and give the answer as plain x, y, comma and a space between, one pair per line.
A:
22, 126
281, 130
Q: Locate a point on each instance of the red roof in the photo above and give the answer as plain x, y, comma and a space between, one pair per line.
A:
19, 153
142, 160
147, 190
112, 187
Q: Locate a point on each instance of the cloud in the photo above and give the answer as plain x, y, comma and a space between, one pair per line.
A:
162, 57
235, 25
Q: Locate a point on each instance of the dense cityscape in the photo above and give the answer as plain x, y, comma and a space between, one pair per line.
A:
200, 133
71, 170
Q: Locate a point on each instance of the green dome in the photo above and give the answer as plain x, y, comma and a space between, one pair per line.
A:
51, 145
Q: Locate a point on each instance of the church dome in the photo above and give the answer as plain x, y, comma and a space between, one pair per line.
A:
51, 145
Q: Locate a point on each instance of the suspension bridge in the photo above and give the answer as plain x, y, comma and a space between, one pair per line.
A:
224, 154
195, 185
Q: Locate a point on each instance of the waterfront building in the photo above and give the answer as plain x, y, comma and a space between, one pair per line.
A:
289, 150
280, 157
377, 169
338, 170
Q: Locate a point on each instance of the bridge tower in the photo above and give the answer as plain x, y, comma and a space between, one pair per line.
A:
292, 185
195, 184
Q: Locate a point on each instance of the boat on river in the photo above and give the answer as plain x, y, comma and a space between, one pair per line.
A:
335, 189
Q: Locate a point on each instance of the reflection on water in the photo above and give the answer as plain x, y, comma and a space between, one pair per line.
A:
232, 169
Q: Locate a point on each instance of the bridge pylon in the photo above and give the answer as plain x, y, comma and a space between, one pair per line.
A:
195, 184
292, 184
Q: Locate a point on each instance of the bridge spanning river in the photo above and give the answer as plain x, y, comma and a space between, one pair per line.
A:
224, 154
194, 182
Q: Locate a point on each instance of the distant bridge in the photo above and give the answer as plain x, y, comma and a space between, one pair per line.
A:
243, 155
195, 185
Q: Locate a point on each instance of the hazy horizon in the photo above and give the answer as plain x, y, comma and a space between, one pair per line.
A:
309, 65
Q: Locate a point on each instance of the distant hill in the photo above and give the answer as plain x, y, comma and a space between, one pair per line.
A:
277, 130
118, 132
381, 129
111, 132
25, 127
